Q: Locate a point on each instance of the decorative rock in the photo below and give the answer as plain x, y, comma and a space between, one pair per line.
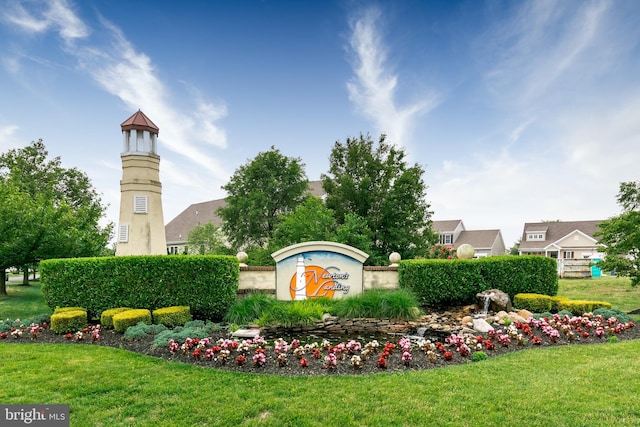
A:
514, 317
242, 258
526, 314
481, 325
394, 259
465, 251
498, 300
466, 319
246, 333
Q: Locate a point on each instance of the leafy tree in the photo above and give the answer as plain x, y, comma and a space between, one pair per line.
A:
259, 193
621, 235
355, 232
46, 211
310, 221
206, 239
375, 182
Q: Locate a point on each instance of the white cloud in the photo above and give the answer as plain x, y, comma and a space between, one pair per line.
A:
131, 76
373, 88
546, 46
7, 139
57, 14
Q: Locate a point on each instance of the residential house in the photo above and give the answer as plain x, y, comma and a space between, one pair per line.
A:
561, 239
177, 230
484, 242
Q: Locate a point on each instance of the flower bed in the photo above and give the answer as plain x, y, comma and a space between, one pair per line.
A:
347, 357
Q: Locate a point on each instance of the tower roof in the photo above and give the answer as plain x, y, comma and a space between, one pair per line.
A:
139, 121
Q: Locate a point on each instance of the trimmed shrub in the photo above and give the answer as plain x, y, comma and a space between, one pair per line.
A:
555, 300
579, 307
106, 318
536, 303
68, 321
122, 321
206, 283
65, 309
172, 316
454, 282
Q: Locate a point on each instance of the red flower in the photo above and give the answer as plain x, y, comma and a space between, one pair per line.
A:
382, 363
3, 335
448, 356
241, 360
316, 354
303, 363
68, 337
585, 335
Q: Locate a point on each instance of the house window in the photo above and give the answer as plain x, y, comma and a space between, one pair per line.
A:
535, 236
446, 239
140, 204
123, 233
568, 254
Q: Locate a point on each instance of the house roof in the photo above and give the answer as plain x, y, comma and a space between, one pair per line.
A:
479, 239
177, 230
139, 121
446, 226
555, 231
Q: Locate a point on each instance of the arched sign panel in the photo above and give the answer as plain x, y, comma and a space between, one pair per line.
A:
316, 269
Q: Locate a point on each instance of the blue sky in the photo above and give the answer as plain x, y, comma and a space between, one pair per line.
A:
519, 111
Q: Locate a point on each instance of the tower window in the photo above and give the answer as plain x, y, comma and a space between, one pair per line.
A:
140, 204
123, 233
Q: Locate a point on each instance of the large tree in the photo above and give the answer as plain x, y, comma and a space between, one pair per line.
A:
207, 239
258, 194
46, 211
621, 235
373, 181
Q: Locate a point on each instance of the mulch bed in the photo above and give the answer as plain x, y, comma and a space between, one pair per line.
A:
393, 361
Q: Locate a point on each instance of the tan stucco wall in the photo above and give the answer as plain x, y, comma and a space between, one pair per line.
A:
265, 280
140, 177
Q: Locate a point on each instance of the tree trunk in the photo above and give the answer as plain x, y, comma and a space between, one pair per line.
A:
3, 283
25, 276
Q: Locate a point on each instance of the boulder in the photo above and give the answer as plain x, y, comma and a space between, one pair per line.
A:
526, 314
482, 326
498, 300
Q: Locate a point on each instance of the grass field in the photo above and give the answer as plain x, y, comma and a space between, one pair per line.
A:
616, 290
23, 301
576, 385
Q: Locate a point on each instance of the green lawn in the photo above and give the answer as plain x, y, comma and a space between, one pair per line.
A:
616, 290
23, 301
562, 386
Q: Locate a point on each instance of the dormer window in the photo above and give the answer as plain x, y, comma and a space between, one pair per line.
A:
446, 239
535, 236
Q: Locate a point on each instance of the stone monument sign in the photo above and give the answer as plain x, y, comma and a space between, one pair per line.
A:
316, 269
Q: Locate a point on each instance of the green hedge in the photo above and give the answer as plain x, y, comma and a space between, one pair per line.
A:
68, 321
172, 316
122, 321
106, 318
442, 282
535, 303
207, 284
